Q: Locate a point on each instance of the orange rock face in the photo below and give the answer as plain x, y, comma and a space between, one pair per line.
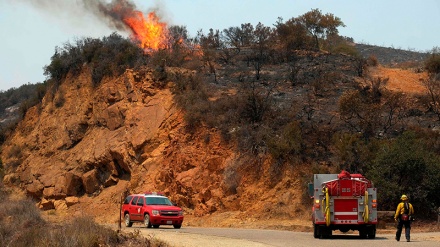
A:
83, 148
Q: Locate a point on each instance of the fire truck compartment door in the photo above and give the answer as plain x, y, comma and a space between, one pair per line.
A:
346, 209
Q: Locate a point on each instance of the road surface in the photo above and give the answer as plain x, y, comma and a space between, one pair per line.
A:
231, 237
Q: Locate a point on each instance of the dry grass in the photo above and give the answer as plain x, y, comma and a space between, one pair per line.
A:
22, 225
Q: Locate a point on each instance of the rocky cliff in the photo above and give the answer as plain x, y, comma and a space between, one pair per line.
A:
83, 147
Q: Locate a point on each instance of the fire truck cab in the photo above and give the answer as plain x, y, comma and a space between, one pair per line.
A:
343, 202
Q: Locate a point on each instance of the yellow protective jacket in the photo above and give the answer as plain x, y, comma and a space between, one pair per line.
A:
401, 210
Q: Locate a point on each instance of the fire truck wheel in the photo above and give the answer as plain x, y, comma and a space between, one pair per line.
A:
363, 233
127, 221
372, 232
147, 222
325, 232
315, 231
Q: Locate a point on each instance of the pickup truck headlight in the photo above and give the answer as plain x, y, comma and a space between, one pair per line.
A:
155, 212
181, 213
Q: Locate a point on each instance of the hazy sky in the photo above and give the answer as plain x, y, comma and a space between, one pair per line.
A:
31, 29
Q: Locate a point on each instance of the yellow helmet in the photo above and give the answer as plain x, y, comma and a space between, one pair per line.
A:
403, 198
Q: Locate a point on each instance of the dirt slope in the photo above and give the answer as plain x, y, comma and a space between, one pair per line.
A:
80, 150
403, 80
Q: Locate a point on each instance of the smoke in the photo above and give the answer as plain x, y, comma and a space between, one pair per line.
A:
113, 13
109, 12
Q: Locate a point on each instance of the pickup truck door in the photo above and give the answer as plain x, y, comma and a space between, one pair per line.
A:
139, 207
133, 209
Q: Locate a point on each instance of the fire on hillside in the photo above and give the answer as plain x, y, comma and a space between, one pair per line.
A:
148, 30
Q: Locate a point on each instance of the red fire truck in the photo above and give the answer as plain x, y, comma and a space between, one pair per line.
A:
343, 202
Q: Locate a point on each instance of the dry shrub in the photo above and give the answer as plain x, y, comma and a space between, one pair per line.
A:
15, 151
21, 225
20, 222
287, 143
231, 179
372, 61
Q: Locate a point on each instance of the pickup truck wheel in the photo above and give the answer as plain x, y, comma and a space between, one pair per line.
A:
177, 226
127, 221
155, 226
147, 222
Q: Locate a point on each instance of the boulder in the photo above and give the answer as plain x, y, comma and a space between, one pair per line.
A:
111, 181
90, 181
72, 185
35, 189
71, 200
111, 166
60, 205
53, 193
114, 117
46, 204
48, 192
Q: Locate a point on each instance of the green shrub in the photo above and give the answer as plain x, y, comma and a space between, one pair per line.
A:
110, 56
256, 102
407, 166
347, 49
288, 143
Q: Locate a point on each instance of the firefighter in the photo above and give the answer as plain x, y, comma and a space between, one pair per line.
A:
403, 215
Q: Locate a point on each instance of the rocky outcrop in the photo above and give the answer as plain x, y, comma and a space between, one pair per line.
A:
82, 139
85, 145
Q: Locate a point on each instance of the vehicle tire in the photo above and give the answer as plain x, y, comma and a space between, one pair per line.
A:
315, 231
177, 226
127, 221
363, 233
147, 222
155, 226
324, 232
372, 232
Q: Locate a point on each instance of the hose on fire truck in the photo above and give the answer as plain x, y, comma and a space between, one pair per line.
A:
327, 208
366, 211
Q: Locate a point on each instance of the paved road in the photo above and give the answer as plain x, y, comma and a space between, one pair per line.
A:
230, 237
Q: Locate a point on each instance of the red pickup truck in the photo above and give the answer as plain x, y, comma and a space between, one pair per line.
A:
152, 209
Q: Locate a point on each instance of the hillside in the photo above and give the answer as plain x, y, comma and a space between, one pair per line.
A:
84, 145
125, 135
392, 57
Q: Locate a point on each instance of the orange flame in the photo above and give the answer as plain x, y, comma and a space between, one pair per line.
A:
151, 33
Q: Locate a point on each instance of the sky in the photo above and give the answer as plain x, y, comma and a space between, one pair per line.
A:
32, 29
